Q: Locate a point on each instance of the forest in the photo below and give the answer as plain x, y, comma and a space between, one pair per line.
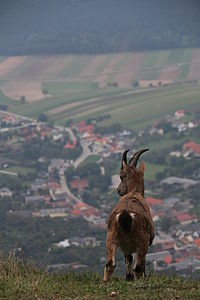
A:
92, 26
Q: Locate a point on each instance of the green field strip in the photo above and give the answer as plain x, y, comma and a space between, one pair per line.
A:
33, 109
86, 106
185, 66
129, 109
152, 170
76, 66
61, 88
150, 108
165, 142
89, 159
8, 101
152, 65
102, 66
20, 170
117, 68
141, 110
176, 56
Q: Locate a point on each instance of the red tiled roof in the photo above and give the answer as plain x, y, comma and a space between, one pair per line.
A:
81, 206
86, 128
168, 259
70, 146
54, 185
193, 146
79, 184
76, 212
186, 217
153, 201
180, 111
197, 242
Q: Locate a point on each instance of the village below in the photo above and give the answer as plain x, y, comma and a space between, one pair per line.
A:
58, 185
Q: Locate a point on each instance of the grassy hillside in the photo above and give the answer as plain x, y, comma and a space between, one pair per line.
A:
84, 86
18, 281
134, 108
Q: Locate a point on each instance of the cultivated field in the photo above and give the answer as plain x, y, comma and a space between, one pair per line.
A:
78, 87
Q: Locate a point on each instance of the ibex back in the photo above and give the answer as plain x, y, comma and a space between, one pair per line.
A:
130, 225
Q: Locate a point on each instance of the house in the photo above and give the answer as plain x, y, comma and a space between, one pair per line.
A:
34, 199
176, 154
153, 201
79, 184
82, 128
52, 212
179, 113
171, 201
70, 145
178, 180
186, 218
182, 127
5, 192
55, 164
85, 210
163, 242
193, 147
197, 242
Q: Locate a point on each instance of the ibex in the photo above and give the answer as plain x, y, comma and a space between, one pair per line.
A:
130, 225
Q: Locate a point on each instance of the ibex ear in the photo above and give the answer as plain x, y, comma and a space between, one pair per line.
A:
142, 167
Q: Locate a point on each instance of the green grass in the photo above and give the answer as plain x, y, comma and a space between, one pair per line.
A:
135, 109
63, 88
20, 170
33, 109
90, 159
152, 64
19, 281
116, 70
139, 110
76, 66
185, 66
152, 170
8, 101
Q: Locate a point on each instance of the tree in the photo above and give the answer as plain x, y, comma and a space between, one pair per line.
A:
45, 91
135, 83
23, 99
42, 117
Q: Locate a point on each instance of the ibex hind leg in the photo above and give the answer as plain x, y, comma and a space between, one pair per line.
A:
129, 270
139, 266
110, 262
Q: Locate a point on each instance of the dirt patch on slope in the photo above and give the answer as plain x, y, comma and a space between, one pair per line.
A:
58, 64
194, 71
102, 78
30, 89
90, 70
9, 64
169, 73
129, 70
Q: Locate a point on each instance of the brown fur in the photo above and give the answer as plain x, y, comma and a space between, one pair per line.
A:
130, 225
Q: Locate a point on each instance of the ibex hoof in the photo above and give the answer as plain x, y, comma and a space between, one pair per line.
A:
129, 277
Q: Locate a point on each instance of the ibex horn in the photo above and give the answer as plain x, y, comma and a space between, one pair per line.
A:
133, 161
124, 157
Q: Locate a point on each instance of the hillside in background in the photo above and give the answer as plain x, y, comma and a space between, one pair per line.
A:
86, 86
92, 26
